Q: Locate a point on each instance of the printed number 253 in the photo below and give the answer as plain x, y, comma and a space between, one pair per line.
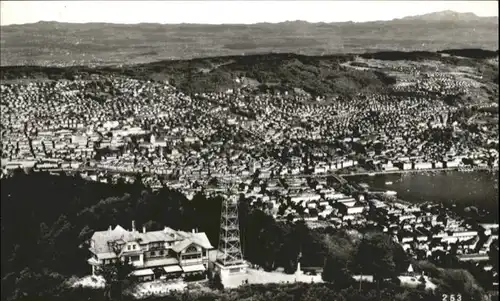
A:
452, 297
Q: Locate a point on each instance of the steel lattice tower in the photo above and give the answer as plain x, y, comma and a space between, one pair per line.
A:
229, 252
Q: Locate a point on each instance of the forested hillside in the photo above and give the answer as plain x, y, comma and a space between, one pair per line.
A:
46, 220
317, 75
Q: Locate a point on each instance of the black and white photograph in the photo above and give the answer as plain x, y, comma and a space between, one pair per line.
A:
249, 150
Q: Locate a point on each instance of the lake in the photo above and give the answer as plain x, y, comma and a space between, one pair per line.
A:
477, 188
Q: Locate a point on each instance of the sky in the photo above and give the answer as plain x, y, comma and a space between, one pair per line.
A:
218, 12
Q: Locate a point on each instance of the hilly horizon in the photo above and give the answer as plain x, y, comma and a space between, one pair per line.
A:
439, 16
67, 44
448, 15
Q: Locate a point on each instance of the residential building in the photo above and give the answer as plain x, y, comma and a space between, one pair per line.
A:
154, 254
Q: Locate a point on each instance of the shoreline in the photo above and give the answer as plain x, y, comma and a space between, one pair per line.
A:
460, 169
487, 210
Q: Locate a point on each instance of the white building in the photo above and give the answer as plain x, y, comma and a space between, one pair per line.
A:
163, 253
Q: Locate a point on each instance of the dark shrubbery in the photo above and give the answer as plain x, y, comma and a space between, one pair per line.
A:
473, 53
402, 55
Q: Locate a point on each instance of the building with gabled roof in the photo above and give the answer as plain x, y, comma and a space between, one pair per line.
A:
155, 254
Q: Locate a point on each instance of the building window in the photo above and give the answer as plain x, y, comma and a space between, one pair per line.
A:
134, 258
191, 249
162, 253
192, 256
128, 248
155, 245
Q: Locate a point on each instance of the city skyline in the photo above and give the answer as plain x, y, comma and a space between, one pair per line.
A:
234, 12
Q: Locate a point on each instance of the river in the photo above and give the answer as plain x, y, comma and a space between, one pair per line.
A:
477, 188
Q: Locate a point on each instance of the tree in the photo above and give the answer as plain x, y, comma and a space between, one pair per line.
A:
459, 281
317, 293
374, 256
117, 278
117, 275
85, 233
31, 285
336, 271
216, 282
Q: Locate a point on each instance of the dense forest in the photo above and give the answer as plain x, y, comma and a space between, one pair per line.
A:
46, 220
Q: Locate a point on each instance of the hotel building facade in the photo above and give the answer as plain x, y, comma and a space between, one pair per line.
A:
155, 254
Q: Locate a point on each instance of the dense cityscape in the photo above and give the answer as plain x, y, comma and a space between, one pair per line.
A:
126, 125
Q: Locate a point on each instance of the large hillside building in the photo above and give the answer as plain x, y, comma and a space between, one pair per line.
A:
156, 254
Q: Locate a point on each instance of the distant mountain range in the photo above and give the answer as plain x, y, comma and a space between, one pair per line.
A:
450, 16
53, 43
